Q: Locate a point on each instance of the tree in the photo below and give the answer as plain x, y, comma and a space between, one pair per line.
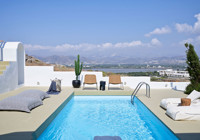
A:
193, 69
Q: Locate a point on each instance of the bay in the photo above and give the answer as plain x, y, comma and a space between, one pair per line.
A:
120, 70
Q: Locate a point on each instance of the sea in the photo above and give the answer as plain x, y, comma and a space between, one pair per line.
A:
125, 70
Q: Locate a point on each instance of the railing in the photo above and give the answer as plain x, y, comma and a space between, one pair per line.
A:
137, 89
2, 44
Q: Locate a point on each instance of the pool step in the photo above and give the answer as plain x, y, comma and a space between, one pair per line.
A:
4, 63
3, 66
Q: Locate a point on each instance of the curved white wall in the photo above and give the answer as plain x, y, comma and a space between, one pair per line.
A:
14, 51
14, 74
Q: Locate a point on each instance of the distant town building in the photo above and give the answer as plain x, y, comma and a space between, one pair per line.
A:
173, 73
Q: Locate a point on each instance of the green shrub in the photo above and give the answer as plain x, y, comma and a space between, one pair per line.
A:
154, 78
193, 69
192, 87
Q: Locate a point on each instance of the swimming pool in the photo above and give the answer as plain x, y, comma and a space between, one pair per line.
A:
85, 117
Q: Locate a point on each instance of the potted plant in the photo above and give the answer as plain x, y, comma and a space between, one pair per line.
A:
78, 68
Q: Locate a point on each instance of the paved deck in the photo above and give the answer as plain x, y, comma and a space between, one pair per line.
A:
20, 125
183, 129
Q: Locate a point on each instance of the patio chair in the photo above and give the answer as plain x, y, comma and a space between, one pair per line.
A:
90, 79
115, 80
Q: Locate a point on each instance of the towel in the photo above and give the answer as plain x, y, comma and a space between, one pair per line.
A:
52, 88
58, 84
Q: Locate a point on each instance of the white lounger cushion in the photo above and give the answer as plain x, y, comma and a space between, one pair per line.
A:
176, 101
194, 95
184, 112
170, 101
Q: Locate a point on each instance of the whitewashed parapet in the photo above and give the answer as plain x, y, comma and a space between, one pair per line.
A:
169, 85
41, 75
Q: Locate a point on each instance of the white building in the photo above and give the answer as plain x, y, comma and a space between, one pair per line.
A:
174, 73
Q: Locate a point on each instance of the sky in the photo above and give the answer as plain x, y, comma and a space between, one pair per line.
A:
102, 28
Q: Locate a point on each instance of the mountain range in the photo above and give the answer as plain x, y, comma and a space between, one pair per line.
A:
69, 60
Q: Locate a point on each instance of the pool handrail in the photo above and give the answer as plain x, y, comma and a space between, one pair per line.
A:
137, 89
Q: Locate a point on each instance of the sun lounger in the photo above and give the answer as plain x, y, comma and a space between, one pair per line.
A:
90, 79
191, 112
115, 80
176, 101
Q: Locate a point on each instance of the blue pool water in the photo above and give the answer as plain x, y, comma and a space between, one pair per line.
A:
85, 117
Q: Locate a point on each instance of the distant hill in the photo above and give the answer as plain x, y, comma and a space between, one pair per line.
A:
33, 61
64, 60
69, 60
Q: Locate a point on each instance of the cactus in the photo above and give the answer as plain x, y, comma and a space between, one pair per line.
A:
78, 67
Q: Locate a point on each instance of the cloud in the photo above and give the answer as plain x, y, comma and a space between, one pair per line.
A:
36, 47
184, 27
155, 42
85, 46
198, 39
108, 49
107, 45
189, 40
197, 24
128, 44
163, 30
195, 41
189, 28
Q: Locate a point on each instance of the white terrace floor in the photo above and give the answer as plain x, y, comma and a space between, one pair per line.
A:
20, 125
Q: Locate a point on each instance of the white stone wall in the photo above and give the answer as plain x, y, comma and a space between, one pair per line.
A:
169, 85
41, 75
9, 79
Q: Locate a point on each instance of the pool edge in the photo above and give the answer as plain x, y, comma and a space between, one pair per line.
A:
45, 124
159, 118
